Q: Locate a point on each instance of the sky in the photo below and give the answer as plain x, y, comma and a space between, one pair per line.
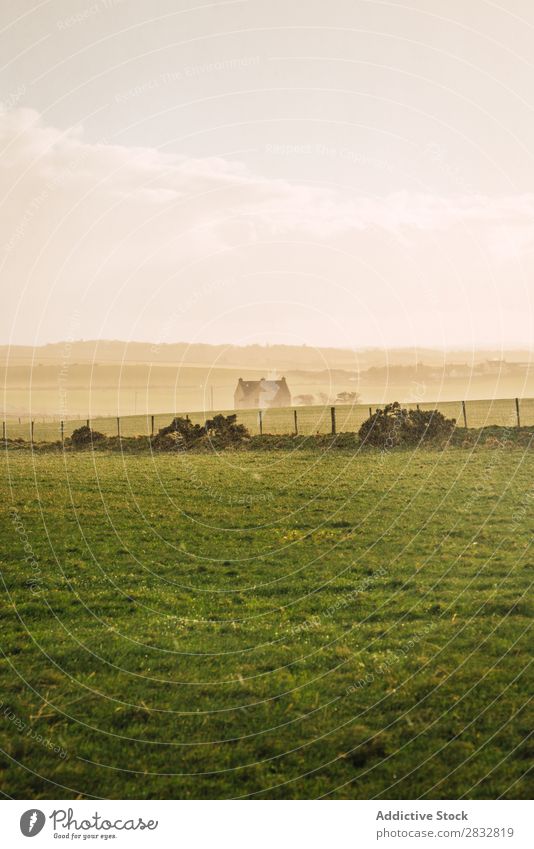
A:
332, 174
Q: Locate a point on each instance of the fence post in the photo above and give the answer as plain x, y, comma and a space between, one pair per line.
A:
31, 432
4, 431
62, 430
118, 427
333, 418
464, 414
151, 426
296, 425
260, 421
517, 412
370, 412
88, 422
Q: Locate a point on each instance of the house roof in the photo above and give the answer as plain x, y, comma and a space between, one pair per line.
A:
251, 386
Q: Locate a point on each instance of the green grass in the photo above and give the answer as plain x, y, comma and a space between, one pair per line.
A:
273, 624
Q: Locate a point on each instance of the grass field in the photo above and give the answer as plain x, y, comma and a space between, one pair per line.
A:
269, 625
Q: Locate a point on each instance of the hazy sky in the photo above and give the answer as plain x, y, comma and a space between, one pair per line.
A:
336, 173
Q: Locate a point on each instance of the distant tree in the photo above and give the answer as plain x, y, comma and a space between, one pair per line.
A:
304, 400
348, 398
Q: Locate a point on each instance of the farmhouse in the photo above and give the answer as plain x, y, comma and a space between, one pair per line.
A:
260, 394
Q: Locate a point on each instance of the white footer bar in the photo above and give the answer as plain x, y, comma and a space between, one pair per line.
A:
268, 824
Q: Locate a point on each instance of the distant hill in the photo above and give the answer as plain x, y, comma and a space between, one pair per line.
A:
262, 357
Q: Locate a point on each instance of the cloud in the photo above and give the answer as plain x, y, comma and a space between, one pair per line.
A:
86, 223
193, 192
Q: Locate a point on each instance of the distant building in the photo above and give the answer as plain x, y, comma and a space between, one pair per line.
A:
260, 394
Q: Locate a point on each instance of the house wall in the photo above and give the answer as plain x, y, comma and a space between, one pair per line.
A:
261, 399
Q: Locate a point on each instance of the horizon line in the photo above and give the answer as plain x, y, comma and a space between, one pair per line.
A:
156, 344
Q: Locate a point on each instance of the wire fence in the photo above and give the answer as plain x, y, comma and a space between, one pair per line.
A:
510, 412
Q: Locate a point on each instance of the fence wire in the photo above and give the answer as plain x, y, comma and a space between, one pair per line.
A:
285, 420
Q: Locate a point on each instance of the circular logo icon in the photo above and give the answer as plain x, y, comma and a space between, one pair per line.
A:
31, 822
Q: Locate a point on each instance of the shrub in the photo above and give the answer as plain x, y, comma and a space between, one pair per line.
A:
224, 430
181, 433
395, 425
85, 436
430, 425
220, 431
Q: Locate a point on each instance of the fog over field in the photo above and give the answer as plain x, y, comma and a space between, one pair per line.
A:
80, 379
